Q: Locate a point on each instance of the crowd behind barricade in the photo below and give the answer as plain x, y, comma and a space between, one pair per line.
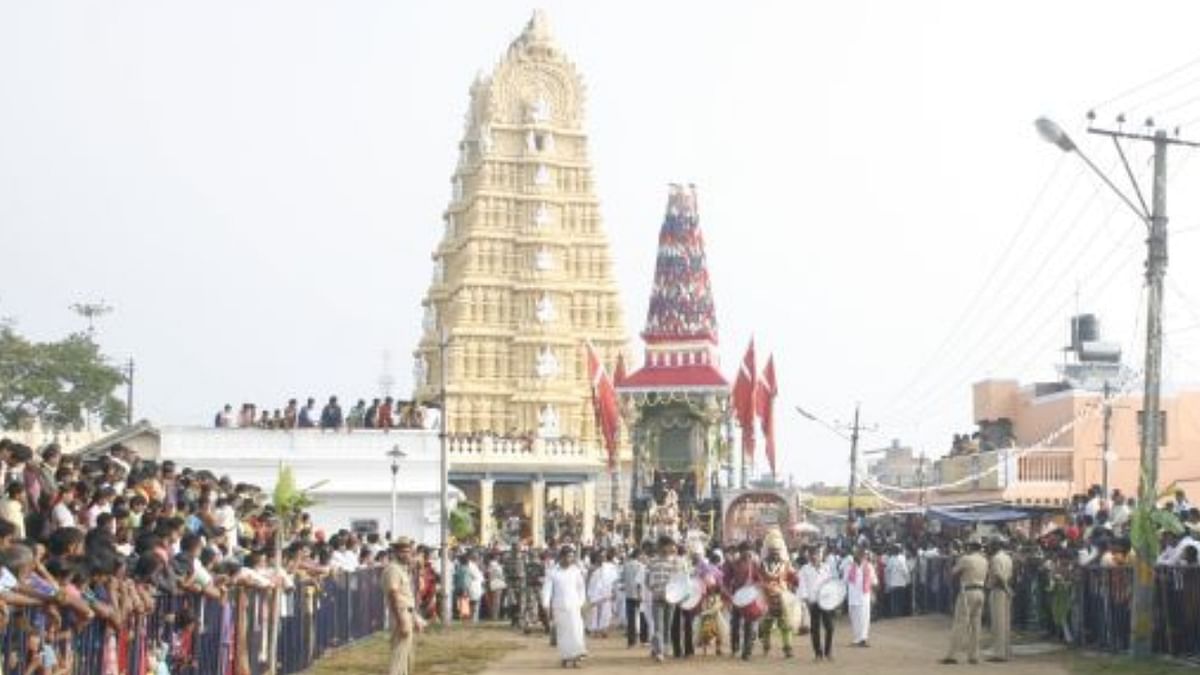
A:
381, 413
112, 564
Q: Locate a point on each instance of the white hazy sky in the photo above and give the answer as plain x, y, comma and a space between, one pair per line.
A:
256, 186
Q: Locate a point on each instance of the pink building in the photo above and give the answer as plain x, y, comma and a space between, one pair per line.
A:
1012, 417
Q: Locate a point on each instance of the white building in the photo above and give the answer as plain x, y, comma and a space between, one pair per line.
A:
354, 469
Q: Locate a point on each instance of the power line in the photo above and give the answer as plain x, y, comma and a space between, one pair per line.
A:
1148, 83
941, 355
988, 335
961, 321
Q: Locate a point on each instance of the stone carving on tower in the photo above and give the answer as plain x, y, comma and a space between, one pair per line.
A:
525, 272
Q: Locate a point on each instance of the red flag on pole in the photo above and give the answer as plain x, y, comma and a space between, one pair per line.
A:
767, 389
745, 391
604, 399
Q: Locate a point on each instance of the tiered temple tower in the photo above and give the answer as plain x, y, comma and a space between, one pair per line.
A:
522, 275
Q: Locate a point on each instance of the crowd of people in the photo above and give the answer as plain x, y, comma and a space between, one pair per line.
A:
96, 540
682, 596
381, 413
100, 540
678, 599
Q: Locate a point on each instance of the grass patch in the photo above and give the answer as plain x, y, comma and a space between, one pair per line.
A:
1123, 665
457, 651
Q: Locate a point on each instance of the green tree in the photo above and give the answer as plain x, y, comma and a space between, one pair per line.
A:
289, 500
59, 383
462, 520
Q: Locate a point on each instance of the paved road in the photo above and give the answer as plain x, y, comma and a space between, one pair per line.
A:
902, 647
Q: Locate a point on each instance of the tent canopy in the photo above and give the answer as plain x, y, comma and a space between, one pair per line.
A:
971, 517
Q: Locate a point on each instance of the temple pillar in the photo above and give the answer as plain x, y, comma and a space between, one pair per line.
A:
537, 517
487, 524
589, 508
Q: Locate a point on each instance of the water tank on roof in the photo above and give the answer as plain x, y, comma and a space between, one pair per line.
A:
1084, 328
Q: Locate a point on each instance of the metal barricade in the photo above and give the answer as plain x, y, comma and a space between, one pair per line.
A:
935, 592
1102, 607
1177, 611
201, 635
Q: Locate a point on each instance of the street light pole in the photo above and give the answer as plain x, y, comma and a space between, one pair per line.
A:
443, 338
853, 467
395, 454
1142, 621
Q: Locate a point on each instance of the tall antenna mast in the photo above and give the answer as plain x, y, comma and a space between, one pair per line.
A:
91, 311
386, 379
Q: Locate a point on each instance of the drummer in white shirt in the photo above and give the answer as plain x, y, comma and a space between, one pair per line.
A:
813, 575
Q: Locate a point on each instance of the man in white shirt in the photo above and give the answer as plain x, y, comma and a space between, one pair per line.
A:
1182, 505
813, 575
61, 514
1174, 553
1094, 503
860, 582
897, 577
1120, 513
343, 559
563, 595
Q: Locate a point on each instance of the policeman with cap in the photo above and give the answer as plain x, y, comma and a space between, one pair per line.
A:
971, 570
398, 585
999, 582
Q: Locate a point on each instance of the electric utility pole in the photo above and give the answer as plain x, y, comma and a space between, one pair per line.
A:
1107, 446
1155, 218
853, 465
129, 392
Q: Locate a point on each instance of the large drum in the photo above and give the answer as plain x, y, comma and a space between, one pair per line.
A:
750, 602
677, 588
696, 592
831, 594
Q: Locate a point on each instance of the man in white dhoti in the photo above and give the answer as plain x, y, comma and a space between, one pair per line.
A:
860, 582
563, 593
601, 592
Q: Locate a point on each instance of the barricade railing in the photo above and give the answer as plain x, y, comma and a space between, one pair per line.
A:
935, 591
1102, 603
1097, 614
200, 635
1177, 615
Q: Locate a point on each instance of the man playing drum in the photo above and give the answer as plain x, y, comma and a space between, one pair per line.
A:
815, 574
778, 580
742, 572
662, 569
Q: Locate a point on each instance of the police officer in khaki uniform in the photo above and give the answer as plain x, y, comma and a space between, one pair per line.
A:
971, 570
999, 582
397, 583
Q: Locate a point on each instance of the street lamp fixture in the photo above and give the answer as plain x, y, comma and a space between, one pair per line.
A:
395, 455
1052, 133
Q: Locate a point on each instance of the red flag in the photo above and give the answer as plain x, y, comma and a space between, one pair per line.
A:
745, 391
604, 399
767, 389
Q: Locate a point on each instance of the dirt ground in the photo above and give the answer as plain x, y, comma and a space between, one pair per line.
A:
900, 646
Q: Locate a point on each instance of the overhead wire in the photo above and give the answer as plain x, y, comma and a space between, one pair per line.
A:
1148, 83
1031, 313
942, 356
984, 345
1046, 342
937, 353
